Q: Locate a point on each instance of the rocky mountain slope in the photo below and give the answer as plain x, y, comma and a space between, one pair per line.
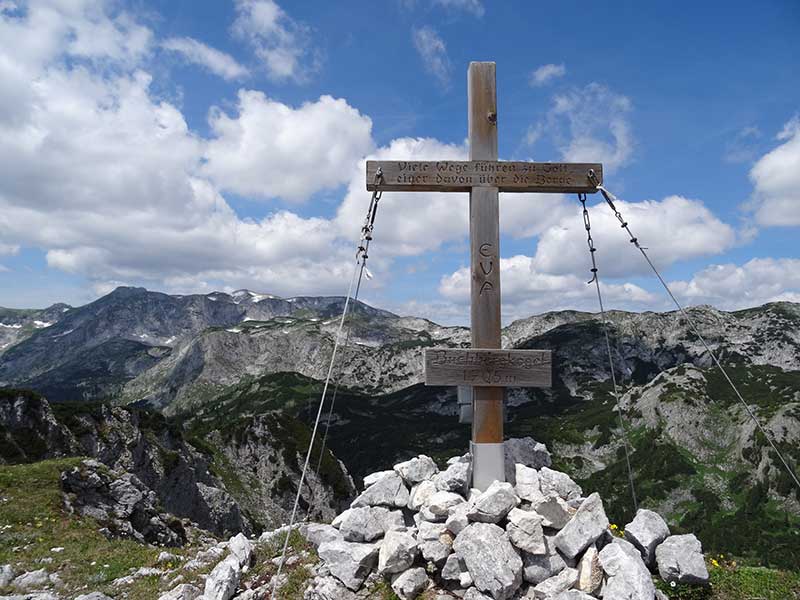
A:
238, 478
17, 325
225, 367
92, 352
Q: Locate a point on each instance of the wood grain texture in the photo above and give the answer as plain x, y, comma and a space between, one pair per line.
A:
461, 366
482, 110
484, 236
463, 175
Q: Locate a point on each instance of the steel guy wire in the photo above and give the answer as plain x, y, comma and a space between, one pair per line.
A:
596, 280
358, 270
363, 250
610, 198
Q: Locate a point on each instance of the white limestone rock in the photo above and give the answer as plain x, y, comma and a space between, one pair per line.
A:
319, 533
349, 562
184, 591
590, 573
559, 483
6, 575
240, 547
164, 558
455, 569
440, 503
494, 504
491, 560
628, 577
473, 594
588, 524
397, 552
375, 477
388, 491
680, 559
555, 512
327, 587
457, 518
456, 478
426, 515
537, 567
417, 469
31, 580
524, 451
573, 595
527, 483
524, 529
410, 584
368, 523
222, 582
555, 584
436, 551
91, 596
430, 531
337, 520
420, 493
646, 531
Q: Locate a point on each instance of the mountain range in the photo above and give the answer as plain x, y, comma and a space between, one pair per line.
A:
231, 362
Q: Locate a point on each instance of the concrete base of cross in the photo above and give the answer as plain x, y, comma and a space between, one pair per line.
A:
488, 464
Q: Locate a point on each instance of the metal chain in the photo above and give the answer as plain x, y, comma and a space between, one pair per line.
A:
596, 280
361, 261
610, 198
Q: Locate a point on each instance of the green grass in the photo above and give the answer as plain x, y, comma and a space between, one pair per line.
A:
32, 512
298, 574
732, 581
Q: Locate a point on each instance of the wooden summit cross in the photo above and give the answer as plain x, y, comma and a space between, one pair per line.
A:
485, 366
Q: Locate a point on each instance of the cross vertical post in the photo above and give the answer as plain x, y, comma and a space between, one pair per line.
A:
484, 235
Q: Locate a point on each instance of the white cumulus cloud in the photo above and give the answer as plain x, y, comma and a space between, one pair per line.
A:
674, 229
408, 223
753, 283
547, 73
198, 53
776, 181
108, 181
270, 149
282, 44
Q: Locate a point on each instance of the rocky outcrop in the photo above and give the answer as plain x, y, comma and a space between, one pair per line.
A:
126, 440
120, 503
259, 458
29, 430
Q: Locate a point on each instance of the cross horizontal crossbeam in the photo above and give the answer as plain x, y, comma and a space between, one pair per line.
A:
463, 175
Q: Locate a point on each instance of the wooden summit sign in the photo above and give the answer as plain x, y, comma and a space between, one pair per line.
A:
462, 176
476, 367
485, 366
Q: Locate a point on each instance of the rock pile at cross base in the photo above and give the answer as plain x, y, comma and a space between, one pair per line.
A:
536, 536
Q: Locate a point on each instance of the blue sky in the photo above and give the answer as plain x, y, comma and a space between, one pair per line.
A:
191, 146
